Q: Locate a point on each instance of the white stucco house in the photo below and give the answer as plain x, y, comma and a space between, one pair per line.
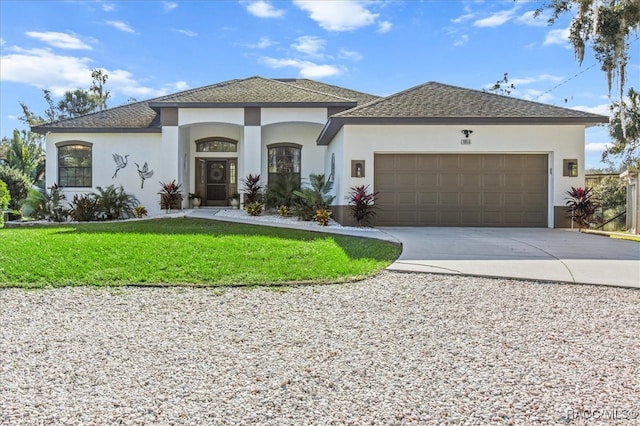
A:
438, 155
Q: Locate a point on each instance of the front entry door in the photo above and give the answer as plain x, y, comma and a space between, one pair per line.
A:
216, 191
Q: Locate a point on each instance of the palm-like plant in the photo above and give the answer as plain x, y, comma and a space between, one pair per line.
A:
170, 195
114, 202
280, 190
361, 203
252, 189
582, 206
313, 197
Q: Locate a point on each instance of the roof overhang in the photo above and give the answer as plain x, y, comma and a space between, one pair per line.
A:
334, 124
158, 105
43, 130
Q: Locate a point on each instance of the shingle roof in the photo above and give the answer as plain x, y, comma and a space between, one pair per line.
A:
441, 100
254, 91
436, 103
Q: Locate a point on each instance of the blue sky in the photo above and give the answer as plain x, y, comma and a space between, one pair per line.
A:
152, 48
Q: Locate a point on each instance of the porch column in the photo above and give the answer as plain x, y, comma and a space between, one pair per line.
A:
251, 153
170, 169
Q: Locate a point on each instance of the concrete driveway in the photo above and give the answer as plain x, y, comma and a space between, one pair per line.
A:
529, 253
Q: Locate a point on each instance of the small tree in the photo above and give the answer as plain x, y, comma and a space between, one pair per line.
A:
582, 206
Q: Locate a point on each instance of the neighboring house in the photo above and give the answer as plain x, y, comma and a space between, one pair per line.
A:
438, 155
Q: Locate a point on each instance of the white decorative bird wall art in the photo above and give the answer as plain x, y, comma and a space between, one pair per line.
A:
121, 163
144, 173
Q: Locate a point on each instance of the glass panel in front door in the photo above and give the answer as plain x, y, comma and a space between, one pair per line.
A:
216, 182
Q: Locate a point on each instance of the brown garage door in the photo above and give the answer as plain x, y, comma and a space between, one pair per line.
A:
461, 189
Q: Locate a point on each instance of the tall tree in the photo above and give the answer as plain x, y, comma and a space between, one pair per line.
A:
502, 87
607, 26
97, 88
75, 103
624, 129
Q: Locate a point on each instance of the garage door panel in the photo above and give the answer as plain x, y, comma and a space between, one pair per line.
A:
448, 180
448, 162
426, 162
386, 163
471, 180
385, 181
429, 179
407, 180
428, 199
493, 162
407, 162
449, 199
461, 189
492, 181
513, 198
407, 198
471, 199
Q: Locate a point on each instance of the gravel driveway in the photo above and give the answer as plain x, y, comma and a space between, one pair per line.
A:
395, 349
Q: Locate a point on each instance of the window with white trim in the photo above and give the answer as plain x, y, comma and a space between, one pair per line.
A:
74, 164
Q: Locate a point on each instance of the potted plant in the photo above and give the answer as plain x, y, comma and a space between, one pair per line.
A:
195, 199
234, 200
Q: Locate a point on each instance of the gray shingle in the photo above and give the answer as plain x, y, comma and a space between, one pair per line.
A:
143, 116
441, 100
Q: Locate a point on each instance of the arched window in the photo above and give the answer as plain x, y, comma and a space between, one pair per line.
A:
74, 164
284, 158
216, 145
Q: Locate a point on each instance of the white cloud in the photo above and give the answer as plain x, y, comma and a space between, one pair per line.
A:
384, 27
339, 15
108, 7
535, 79
263, 9
496, 19
534, 95
309, 45
263, 43
169, 5
467, 16
462, 40
188, 33
61, 40
180, 86
306, 69
560, 36
119, 25
349, 54
602, 109
44, 69
530, 19
596, 146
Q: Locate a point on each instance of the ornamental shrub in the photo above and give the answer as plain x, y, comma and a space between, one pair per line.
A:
5, 199
362, 204
18, 184
582, 207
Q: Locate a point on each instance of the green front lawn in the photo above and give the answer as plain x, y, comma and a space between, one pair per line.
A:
183, 251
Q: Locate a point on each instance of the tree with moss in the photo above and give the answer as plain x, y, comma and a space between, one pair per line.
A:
624, 129
607, 26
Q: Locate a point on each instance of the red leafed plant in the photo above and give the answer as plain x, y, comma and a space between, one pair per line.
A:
361, 203
170, 195
582, 206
